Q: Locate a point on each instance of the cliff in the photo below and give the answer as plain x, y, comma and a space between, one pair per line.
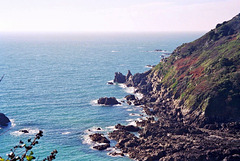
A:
202, 77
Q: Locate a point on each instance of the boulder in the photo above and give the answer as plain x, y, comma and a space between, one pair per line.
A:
119, 78
108, 101
130, 97
3, 120
99, 138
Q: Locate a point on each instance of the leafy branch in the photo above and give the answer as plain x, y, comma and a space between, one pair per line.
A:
27, 153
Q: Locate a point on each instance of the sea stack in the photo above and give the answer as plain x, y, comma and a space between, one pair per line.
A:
4, 120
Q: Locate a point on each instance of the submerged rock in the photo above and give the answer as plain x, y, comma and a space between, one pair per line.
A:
110, 83
108, 101
4, 120
24, 131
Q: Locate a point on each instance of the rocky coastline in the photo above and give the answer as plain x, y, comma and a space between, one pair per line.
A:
167, 134
192, 102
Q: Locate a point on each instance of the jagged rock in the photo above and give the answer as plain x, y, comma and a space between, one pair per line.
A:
108, 101
99, 138
129, 74
4, 120
119, 78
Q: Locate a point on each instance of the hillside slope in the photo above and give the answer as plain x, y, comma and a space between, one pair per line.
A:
201, 77
204, 75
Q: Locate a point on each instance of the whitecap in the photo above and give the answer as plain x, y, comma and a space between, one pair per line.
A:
94, 103
134, 114
114, 51
132, 123
12, 123
30, 132
129, 120
66, 133
114, 150
111, 82
130, 90
147, 66
110, 127
86, 139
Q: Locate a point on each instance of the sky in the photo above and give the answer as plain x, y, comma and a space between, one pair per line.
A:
114, 15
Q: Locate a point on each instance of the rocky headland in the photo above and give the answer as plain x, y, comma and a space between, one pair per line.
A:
192, 99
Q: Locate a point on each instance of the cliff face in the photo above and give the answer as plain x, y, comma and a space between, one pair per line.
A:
201, 77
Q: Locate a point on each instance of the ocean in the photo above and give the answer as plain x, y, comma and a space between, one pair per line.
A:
52, 81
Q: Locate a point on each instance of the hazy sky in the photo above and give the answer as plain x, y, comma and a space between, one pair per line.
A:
114, 15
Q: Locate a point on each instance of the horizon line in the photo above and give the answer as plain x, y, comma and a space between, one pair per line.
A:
98, 32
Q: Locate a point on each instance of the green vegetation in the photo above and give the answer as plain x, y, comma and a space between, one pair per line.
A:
205, 74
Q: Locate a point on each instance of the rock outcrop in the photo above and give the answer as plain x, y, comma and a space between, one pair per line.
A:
99, 138
104, 143
4, 121
108, 101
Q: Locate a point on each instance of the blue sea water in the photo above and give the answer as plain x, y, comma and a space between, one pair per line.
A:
51, 81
